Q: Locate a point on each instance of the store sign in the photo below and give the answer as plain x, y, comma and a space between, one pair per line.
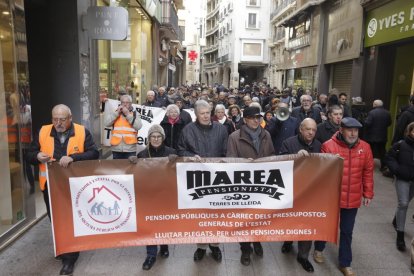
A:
171, 67
391, 22
344, 31
107, 23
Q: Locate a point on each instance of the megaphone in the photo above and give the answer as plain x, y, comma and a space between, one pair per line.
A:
282, 113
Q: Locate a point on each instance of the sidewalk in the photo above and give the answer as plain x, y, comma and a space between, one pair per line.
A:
374, 251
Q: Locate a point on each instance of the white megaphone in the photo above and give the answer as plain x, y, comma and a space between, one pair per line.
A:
282, 113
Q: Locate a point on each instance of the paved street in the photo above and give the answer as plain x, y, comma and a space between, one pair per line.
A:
373, 246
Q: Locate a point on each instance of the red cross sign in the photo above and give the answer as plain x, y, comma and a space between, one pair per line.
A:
192, 55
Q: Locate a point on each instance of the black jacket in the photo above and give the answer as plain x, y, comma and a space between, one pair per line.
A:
172, 132
90, 150
205, 141
400, 159
325, 131
185, 116
406, 118
294, 144
376, 124
300, 114
162, 151
152, 104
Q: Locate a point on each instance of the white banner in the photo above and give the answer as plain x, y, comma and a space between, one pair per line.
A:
103, 204
149, 115
235, 185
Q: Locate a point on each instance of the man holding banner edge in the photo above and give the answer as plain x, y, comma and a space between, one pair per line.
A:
64, 142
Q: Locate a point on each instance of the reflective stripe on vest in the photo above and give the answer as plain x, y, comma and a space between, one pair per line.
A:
123, 131
76, 144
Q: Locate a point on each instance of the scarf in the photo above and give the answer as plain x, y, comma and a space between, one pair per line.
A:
254, 135
173, 121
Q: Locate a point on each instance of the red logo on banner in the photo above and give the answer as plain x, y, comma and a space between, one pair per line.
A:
192, 55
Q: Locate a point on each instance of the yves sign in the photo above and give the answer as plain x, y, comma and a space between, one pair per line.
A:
391, 22
108, 23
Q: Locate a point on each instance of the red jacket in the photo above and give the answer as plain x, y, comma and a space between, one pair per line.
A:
357, 177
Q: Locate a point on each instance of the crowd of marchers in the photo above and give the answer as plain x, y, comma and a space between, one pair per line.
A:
250, 122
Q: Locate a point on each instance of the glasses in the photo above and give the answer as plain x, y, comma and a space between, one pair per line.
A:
156, 137
59, 120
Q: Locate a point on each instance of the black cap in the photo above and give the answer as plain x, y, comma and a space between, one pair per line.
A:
251, 111
349, 122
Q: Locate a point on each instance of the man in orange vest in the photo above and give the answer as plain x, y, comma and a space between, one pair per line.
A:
64, 142
125, 124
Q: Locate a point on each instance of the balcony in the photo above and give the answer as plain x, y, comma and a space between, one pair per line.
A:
169, 19
212, 30
210, 49
212, 12
283, 5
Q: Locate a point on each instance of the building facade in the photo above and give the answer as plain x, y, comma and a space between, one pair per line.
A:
236, 51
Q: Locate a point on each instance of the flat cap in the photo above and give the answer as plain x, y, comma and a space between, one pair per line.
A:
251, 111
349, 122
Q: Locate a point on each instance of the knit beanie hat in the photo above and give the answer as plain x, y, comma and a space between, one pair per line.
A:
156, 128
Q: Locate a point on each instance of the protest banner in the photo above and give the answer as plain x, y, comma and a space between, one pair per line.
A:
149, 116
114, 203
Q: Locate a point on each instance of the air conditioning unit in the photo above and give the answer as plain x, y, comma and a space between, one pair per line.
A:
230, 6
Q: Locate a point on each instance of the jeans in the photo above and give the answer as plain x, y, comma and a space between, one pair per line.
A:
405, 192
122, 155
152, 250
346, 227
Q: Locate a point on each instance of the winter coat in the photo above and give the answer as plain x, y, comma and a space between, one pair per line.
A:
152, 104
240, 144
150, 152
325, 131
281, 130
294, 144
405, 119
172, 132
185, 116
204, 141
376, 124
313, 113
400, 159
357, 175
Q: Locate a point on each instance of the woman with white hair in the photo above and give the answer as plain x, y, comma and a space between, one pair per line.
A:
172, 124
220, 116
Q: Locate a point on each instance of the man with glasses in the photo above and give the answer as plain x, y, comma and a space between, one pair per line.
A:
64, 142
250, 141
125, 125
204, 138
306, 110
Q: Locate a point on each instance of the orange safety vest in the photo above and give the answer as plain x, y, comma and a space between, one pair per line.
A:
47, 145
123, 130
11, 131
26, 134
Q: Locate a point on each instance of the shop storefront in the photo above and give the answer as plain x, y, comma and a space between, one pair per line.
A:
18, 191
126, 66
306, 78
389, 48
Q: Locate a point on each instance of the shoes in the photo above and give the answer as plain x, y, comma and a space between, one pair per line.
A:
287, 247
400, 241
318, 257
347, 271
58, 258
199, 254
307, 266
258, 249
149, 262
215, 253
67, 269
245, 257
394, 223
164, 253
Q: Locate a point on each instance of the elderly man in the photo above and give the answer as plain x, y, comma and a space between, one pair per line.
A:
204, 138
330, 126
250, 141
162, 97
306, 110
64, 142
125, 124
357, 183
375, 132
304, 142
150, 101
